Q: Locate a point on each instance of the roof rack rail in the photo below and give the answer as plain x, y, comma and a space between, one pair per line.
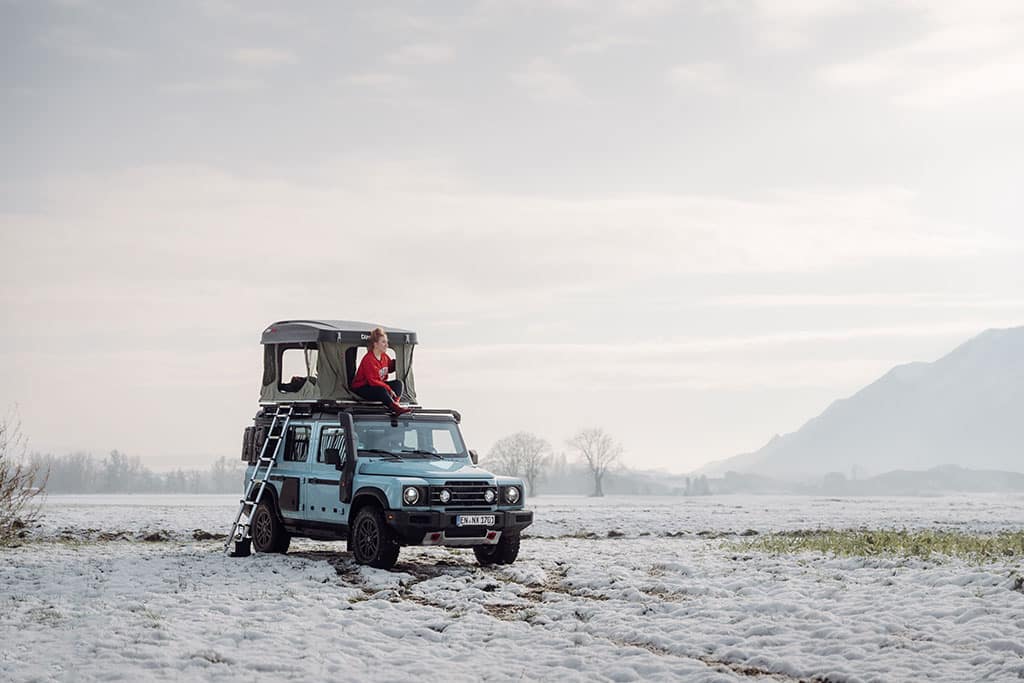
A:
306, 408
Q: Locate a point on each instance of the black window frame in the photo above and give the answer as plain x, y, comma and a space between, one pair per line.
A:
291, 441
342, 450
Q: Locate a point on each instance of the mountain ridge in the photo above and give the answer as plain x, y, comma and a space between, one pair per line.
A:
963, 409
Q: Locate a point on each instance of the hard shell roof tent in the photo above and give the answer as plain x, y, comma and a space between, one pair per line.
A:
321, 356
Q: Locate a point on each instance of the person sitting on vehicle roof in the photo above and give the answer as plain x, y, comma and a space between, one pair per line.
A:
370, 382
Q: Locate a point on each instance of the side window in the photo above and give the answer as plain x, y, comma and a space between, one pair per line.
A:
296, 447
331, 437
298, 366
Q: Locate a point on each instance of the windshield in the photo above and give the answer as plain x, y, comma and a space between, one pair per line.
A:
411, 438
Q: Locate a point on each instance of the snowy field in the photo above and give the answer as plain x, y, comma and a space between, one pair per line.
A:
621, 589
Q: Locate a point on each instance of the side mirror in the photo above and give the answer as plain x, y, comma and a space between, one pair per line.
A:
473, 456
332, 456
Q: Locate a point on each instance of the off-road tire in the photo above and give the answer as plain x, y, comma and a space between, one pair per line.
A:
505, 551
373, 541
268, 534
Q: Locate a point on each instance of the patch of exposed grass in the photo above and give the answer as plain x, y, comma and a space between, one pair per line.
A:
48, 615
923, 544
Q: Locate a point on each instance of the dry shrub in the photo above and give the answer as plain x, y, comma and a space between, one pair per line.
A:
20, 483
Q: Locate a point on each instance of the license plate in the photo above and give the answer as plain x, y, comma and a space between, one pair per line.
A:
474, 520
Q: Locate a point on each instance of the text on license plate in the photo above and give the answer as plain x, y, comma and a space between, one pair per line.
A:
474, 520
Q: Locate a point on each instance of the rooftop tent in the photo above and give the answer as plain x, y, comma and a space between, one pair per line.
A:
314, 360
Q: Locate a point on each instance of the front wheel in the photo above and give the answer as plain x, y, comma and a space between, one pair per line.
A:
373, 541
268, 534
505, 551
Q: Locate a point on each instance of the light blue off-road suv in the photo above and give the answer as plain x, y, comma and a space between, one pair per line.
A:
360, 474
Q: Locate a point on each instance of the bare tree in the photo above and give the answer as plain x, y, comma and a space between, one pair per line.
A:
599, 451
18, 490
522, 455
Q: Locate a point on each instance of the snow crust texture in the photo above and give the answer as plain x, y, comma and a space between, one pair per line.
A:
625, 589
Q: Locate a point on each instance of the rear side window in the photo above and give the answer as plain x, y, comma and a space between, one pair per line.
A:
331, 437
296, 447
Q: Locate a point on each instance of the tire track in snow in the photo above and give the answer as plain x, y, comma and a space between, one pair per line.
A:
534, 596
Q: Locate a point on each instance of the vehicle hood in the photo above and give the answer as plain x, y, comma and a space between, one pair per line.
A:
427, 469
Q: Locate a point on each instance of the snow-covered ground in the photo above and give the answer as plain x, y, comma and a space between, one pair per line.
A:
665, 596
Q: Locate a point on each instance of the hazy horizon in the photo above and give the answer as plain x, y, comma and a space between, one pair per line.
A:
694, 225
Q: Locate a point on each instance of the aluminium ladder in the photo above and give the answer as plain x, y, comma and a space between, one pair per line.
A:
241, 528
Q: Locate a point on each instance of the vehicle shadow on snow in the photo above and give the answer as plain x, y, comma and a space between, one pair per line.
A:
421, 569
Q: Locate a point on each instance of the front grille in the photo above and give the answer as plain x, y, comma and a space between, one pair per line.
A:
465, 494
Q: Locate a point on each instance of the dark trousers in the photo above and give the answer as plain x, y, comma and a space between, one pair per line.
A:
372, 393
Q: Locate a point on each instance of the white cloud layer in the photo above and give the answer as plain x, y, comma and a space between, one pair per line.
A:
262, 56
966, 52
200, 222
424, 53
699, 76
544, 80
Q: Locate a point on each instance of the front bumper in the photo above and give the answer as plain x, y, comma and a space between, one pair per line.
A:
415, 527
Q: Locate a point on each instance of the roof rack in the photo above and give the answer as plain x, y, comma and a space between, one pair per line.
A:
305, 408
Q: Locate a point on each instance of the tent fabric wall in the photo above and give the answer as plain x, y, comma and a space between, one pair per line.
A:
404, 370
332, 384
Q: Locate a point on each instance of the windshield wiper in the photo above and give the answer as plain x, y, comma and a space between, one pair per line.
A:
381, 451
421, 452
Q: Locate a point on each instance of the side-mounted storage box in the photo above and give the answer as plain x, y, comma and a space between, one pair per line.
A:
252, 440
247, 437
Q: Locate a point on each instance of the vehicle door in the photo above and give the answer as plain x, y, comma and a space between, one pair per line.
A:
291, 470
322, 482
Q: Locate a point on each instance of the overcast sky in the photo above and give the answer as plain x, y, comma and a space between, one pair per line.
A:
693, 224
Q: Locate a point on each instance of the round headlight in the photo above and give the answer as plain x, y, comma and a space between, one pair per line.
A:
445, 495
411, 495
512, 495
489, 495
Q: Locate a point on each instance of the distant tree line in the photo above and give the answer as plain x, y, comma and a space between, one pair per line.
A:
120, 473
593, 465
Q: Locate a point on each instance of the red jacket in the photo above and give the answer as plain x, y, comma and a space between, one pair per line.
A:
373, 372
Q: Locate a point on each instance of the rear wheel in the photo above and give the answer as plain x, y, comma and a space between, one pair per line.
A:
373, 541
268, 534
505, 551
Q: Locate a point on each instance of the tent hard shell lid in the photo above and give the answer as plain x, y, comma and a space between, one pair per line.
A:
329, 352
354, 331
